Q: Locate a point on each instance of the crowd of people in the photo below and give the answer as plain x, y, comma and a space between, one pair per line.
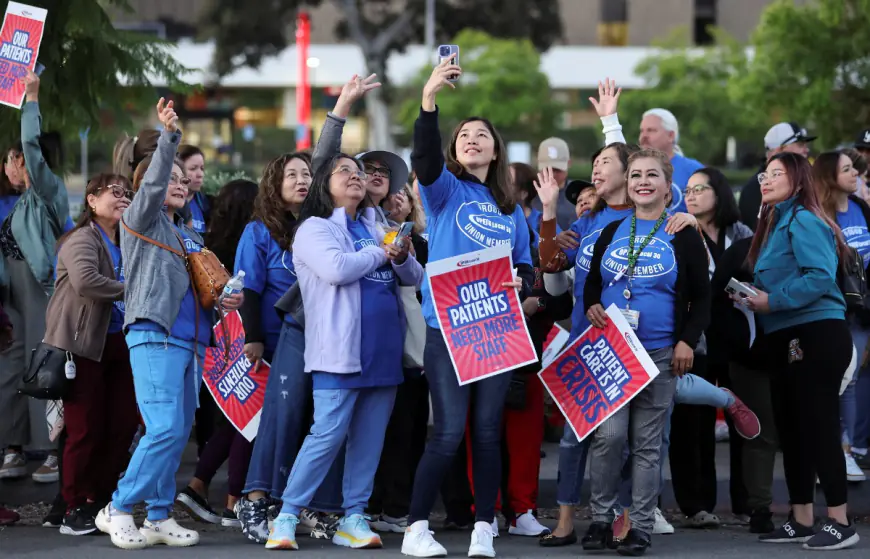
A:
364, 423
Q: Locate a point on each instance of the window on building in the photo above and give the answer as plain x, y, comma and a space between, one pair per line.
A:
705, 16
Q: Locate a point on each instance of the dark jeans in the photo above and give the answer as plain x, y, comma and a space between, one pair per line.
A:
483, 401
226, 443
806, 404
693, 452
404, 443
759, 454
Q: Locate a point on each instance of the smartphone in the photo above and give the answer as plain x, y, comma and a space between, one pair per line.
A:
404, 231
446, 52
38, 69
734, 287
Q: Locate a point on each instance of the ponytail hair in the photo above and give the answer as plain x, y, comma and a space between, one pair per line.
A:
129, 152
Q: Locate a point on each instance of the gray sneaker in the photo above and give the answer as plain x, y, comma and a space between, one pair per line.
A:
14, 466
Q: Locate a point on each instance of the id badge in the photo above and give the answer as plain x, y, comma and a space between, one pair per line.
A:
632, 317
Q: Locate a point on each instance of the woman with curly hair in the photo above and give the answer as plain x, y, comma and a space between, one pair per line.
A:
232, 209
264, 253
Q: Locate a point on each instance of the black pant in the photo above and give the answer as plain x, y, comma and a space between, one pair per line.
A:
693, 452
204, 419
404, 442
811, 360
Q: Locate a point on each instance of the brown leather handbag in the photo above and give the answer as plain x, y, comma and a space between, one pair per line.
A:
207, 275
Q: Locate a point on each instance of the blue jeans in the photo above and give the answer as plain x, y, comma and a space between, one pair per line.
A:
356, 415
167, 388
450, 409
284, 422
862, 420
850, 408
572, 468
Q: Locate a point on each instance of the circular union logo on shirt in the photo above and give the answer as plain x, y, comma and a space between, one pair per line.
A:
657, 259
677, 195
587, 248
385, 273
483, 223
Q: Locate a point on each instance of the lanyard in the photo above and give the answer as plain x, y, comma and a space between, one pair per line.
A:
633, 254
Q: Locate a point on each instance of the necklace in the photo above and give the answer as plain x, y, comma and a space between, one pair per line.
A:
633, 254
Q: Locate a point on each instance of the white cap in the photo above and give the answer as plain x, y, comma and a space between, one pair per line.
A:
785, 133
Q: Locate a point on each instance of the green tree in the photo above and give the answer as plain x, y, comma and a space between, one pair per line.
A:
501, 80
693, 84
811, 65
91, 67
245, 31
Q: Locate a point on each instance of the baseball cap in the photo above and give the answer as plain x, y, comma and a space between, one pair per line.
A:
786, 133
863, 139
397, 165
553, 152
574, 188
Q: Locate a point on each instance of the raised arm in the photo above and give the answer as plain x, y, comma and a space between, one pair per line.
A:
605, 106
148, 202
320, 250
44, 182
329, 143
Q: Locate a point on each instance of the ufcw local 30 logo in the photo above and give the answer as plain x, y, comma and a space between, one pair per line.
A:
483, 223
657, 259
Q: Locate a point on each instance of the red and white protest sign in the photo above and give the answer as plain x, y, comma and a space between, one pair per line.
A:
598, 373
557, 337
237, 388
481, 321
20, 38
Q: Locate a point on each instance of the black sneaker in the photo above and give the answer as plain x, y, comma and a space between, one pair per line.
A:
863, 460
78, 522
197, 506
230, 520
597, 537
761, 522
252, 516
790, 532
452, 524
635, 544
832, 536
54, 518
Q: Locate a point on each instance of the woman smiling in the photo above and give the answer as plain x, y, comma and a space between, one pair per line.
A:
663, 291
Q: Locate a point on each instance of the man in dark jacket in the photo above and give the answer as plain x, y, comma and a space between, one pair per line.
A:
785, 136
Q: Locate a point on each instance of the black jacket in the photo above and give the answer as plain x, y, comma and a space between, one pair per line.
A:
731, 329
692, 305
750, 201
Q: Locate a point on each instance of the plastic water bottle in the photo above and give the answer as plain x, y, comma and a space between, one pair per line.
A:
235, 285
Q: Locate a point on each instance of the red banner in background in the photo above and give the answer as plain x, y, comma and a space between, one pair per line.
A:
20, 38
481, 321
599, 373
238, 389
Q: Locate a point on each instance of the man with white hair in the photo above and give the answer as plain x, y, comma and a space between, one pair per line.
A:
785, 136
659, 130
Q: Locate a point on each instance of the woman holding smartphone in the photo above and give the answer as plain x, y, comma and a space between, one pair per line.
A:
663, 290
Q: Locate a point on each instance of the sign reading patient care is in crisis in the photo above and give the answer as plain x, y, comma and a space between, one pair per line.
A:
481, 321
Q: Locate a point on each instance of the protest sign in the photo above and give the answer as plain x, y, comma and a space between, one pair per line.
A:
20, 38
481, 321
557, 337
237, 388
599, 373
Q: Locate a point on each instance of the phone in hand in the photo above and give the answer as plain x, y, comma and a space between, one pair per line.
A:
404, 231
735, 287
38, 69
446, 52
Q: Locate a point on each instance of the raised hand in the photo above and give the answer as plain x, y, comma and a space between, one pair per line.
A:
548, 189
31, 86
167, 116
353, 91
439, 78
608, 98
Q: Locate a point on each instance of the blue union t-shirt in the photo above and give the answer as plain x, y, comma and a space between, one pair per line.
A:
116, 323
855, 231
382, 338
653, 288
588, 229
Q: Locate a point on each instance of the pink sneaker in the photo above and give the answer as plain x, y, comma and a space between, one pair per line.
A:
745, 421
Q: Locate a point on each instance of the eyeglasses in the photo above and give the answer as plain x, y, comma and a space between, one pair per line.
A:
175, 179
346, 171
697, 189
383, 171
763, 177
119, 191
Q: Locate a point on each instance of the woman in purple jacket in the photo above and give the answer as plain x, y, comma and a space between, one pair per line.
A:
353, 345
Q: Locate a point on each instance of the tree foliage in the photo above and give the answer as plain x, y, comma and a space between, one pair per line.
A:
501, 81
812, 65
91, 67
693, 84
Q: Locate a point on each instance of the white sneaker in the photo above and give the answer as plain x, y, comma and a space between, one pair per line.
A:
662, 526
853, 471
418, 542
495, 527
121, 528
481, 541
527, 525
385, 523
168, 532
